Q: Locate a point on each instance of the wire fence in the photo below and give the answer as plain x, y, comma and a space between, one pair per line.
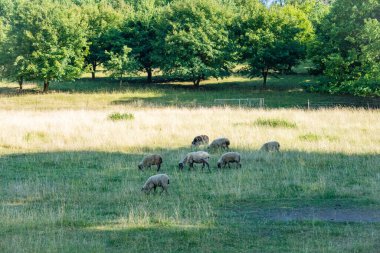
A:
261, 103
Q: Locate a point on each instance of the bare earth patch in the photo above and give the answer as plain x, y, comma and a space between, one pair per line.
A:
331, 213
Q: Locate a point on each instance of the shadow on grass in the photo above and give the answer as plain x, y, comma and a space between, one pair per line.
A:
96, 195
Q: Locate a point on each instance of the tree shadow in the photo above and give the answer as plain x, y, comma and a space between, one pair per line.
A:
96, 195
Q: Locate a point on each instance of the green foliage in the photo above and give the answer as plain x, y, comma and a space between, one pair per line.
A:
347, 47
45, 42
121, 116
196, 39
139, 33
100, 18
275, 123
271, 39
119, 64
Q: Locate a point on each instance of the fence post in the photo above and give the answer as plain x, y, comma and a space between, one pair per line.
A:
308, 104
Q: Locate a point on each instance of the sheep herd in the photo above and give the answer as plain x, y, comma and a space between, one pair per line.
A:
200, 157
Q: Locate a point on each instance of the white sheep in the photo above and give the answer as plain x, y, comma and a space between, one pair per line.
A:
195, 157
219, 143
271, 146
159, 180
227, 158
149, 161
200, 140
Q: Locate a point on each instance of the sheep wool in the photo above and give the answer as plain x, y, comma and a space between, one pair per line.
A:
200, 140
195, 157
227, 158
150, 160
219, 143
159, 180
272, 146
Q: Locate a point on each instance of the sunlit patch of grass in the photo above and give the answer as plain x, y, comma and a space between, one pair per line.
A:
121, 116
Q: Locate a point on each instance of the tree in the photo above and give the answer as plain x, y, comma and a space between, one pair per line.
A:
271, 39
119, 64
45, 41
140, 34
100, 17
196, 40
347, 48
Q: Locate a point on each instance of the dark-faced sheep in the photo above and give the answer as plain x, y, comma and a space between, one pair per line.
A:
159, 180
200, 140
219, 143
150, 160
227, 158
272, 146
195, 157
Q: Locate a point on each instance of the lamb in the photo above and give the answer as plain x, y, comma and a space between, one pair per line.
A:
227, 158
200, 140
159, 180
149, 161
195, 157
271, 146
219, 143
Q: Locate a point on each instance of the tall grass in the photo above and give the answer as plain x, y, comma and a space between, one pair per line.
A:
69, 180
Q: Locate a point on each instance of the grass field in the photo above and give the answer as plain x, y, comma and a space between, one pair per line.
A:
69, 180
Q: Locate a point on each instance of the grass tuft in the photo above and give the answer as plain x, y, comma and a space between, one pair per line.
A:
275, 123
121, 116
310, 137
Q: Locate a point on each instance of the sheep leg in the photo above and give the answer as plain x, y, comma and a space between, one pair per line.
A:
158, 167
229, 165
191, 166
154, 189
238, 165
208, 165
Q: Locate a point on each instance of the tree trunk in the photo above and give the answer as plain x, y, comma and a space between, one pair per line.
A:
197, 81
46, 85
20, 82
93, 69
149, 72
265, 75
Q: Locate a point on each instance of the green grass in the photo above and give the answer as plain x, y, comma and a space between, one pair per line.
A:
275, 123
90, 201
101, 93
69, 180
121, 116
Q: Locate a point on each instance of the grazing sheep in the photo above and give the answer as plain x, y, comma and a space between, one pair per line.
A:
200, 140
149, 161
271, 146
195, 157
219, 143
159, 180
227, 158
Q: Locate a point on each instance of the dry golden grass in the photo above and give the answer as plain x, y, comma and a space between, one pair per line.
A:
331, 130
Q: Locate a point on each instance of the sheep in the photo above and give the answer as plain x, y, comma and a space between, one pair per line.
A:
195, 157
227, 158
200, 140
271, 146
149, 161
159, 180
219, 143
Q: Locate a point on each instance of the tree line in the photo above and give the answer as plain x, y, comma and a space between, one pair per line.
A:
48, 40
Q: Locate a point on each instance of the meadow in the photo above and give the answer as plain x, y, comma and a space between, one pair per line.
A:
69, 180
